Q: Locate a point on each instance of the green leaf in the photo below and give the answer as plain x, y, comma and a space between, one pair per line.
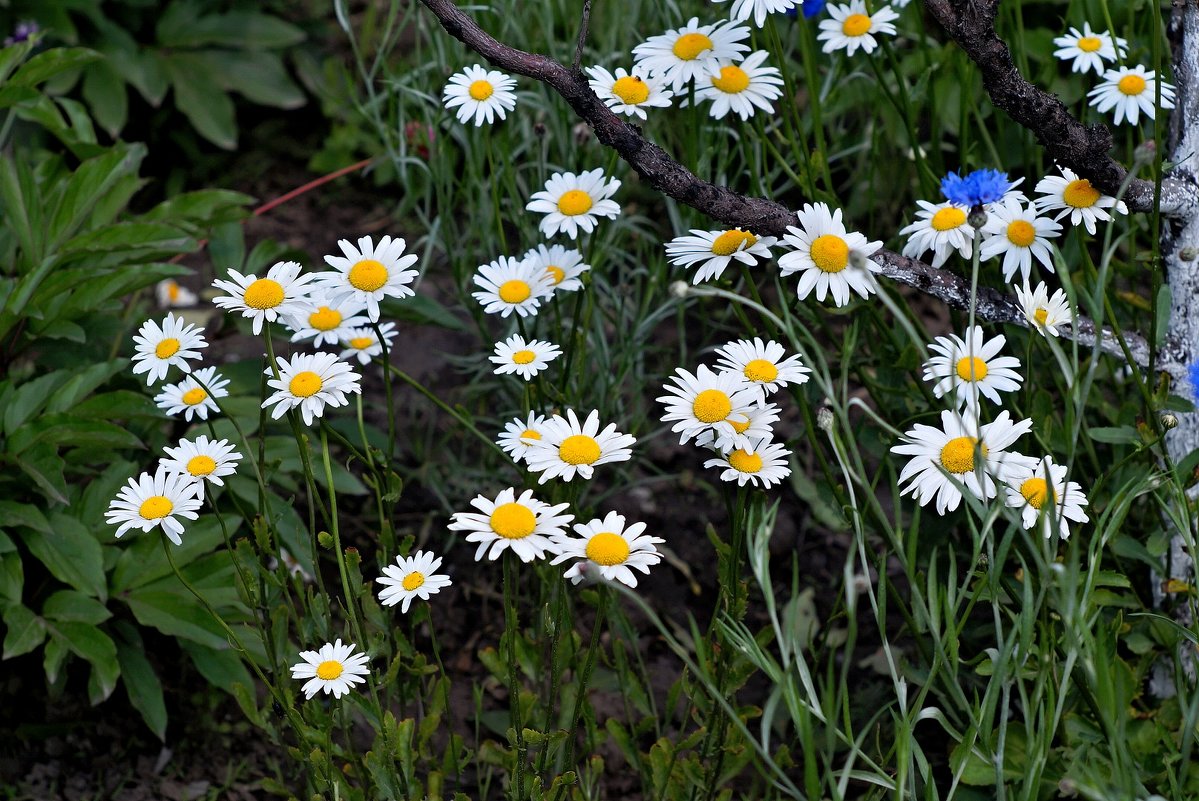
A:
25, 630
83, 383
74, 606
258, 75
222, 667
46, 65
31, 397
176, 614
121, 404
422, 310
62, 429
1115, 435
43, 464
71, 553
205, 207
147, 240
1162, 315
143, 688
12, 577
87, 186
104, 91
201, 100
237, 29
23, 514
88, 642
143, 562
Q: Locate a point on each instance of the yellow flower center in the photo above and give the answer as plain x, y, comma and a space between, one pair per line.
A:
855, 25
194, 397
1041, 315
155, 507
1080, 194
1036, 491
201, 465
172, 291
515, 291
481, 90
329, 670
413, 581
972, 368
711, 406
740, 428
631, 90
574, 202
745, 461
830, 253
324, 319
760, 370
732, 80
689, 46
1021, 233
958, 455
1131, 84
367, 275
556, 273
512, 521
263, 294
579, 449
361, 343
524, 356
529, 433
729, 242
607, 548
166, 348
948, 218
305, 384
1089, 44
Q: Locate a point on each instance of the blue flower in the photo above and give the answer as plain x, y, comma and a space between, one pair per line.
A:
976, 189
1193, 374
810, 8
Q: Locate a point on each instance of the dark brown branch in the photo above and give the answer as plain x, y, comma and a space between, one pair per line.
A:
583, 24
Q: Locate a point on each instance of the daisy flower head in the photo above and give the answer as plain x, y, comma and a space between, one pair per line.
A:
759, 10
363, 343
941, 228
705, 401
564, 266
171, 294
629, 93
512, 285
831, 260
1131, 91
480, 93
850, 26
570, 202
518, 433
972, 366
335, 668
202, 460
157, 347
157, 500
763, 365
1070, 195
310, 381
610, 548
691, 52
1043, 312
368, 273
411, 577
327, 324
524, 524
195, 394
1041, 492
713, 251
526, 359
282, 292
959, 453
757, 429
741, 88
1088, 49
977, 188
568, 447
1016, 231
765, 464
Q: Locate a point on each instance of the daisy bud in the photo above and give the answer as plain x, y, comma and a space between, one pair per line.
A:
1189, 253
325, 539
679, 289
1169, 421
539, 129
582, 133
824, 418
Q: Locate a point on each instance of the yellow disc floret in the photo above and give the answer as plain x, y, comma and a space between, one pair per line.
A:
1089, 44
856, 25
1131, 85
529, 433
689, 46
760, 370
329, 670
948, 218
1080, 194
156, 507
631, 90
515, 291
361, 343
730, 242
711, 406
481, 90
513, 521
958, 455
367, 275
556, 273
413, 581
831, 253
745, 461
1041, 315
579, 449
1021, 233
972, 368
732, 80
166, 348
263, 294
194, 397
201, 465
1036, 491
607, 549
524, 357
324, 319
305, 384
574, 202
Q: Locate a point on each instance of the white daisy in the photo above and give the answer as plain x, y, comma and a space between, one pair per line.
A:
1019, 234
762, 364
608, 548
524, 524
509, 285
1030, 486
570, 202
970, 366
310, 381
941, 228
526, 359
1076, 197
707, 401
564, 266
1044, 313
157, 347
741, 88
191, 395
283, 292
765, 464
1089, 49
742, 10
1131, 91
691, 52
629, 93
411, 577
202, 460
517, 434
171, 294
331, 669
714, 250
567, 447
480, 93
368, 273
363, 343
850, 26
832, 261
758, 428
155, 500
970, 455
326, 325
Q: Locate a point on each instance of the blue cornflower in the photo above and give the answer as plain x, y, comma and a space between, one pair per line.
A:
976, 189
810, 8
1193, 374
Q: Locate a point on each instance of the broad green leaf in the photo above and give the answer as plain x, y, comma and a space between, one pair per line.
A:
53, 657
237, 29
74, 606
43, 464
104, 91
121, 404
46, 65
1116, 435
65, 430
25, 630
201, 100
143, 561
143, 688
222, 667
23, 514
257, 75
87, 186
21, 204
205, 207
83, 383
12, 578
176, 613
71, 553
423, 310
88, 642
31, 397
148, 240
